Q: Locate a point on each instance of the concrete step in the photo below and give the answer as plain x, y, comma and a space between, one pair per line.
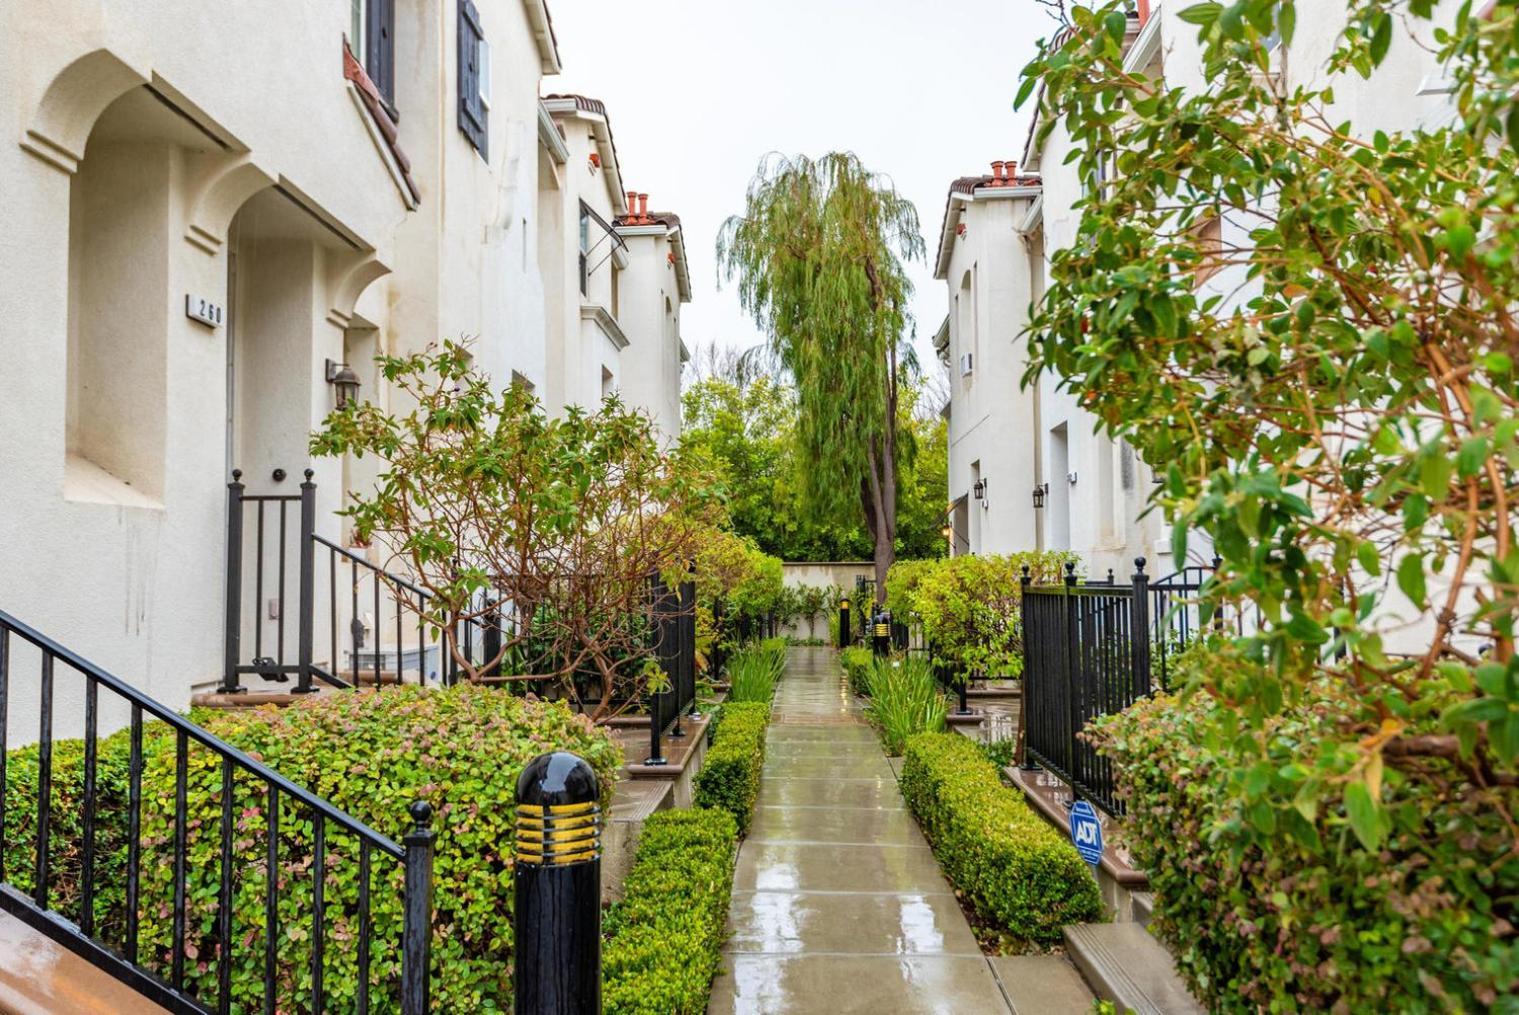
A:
1042, 985
1122, 963
1142, 905
38, 976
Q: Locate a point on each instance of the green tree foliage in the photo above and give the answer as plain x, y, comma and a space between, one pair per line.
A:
818, 254
1344, 425
749, 432
1300, 919
490, 506
971, 607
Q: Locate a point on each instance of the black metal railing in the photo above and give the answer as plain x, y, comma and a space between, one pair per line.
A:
672, 613
361, 603
127, 956
1094, 648
270, 656
1081, 660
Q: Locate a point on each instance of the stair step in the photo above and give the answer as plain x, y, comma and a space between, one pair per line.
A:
1124, 964
1042, 985
41, 977
1142, 905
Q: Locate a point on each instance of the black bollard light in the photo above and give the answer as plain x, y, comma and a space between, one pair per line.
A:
558, 888
881, 632
844, 622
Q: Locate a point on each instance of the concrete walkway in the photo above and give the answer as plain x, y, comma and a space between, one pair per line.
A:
838, 902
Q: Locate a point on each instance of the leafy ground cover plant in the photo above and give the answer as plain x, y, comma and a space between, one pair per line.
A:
66, 828
1304, 917
905, 699
664, 939
1015, 869
730, 776
460, 749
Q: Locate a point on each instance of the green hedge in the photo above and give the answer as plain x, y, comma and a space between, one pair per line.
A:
1013, 866
664, 939
370, 755
66, 829
730, 775
1298, 915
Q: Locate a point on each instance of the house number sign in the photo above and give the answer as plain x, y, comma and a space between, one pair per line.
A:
200, 309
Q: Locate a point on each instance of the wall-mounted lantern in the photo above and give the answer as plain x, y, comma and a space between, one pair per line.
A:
979, 489
1041, 490
342, 377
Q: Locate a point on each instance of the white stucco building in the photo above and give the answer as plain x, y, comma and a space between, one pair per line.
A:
998, 233
615, 275
214, 212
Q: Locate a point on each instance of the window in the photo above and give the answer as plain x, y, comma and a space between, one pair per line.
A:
372, 26
472, 121
585, 250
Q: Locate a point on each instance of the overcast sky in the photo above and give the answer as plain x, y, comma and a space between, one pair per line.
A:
698, 90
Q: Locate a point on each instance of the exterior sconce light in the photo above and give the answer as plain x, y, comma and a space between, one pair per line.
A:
1071, 476
980, 489
1041, 490
342, 377
946, 532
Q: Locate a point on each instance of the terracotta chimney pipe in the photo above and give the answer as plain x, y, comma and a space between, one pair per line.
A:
1010, 171
997, 173
1144, 11
632, 203
643, 207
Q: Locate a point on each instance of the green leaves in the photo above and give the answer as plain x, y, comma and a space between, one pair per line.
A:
1362, 812
1411, 579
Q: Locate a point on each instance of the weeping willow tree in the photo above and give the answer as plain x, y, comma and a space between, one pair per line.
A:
818, 256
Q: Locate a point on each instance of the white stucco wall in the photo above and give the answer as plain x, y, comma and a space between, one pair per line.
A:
150, 159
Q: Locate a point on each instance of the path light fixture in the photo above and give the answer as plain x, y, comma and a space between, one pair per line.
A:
342, 377
1041, 490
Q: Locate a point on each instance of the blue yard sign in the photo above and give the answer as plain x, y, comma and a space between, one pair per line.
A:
1086, 832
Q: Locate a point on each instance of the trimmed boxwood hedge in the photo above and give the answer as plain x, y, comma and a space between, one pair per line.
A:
371, 755
664, 939
1012, 865
730, 775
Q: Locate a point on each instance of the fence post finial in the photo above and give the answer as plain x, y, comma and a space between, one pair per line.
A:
1070, 572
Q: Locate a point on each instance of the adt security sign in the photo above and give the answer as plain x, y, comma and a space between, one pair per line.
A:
1086, 832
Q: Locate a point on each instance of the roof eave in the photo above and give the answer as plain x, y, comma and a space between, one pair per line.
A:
542, 25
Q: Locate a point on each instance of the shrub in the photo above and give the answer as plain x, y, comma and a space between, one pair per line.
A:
370, 755
969, 607
730, 775
904, 700
66, 828
1012, 865
1301, 916
857, 662
664, 938
754, 671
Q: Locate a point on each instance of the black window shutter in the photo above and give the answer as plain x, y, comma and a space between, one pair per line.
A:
471, 110
380, 60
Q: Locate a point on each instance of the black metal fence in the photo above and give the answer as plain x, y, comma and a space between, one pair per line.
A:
1092, 649
100, 871
673, 630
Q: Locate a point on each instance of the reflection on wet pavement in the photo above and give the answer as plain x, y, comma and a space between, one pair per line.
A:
838, 903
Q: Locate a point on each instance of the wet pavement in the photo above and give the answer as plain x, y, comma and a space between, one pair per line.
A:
838, 902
